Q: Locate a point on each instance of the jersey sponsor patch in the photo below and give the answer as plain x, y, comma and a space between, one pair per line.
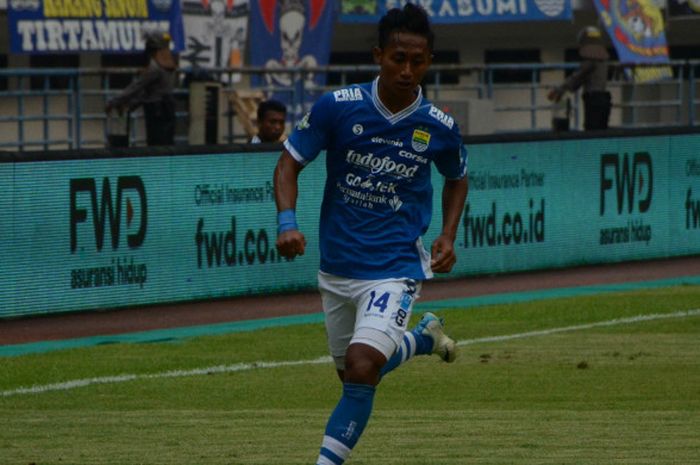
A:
405, 301
420, 140
304, 122
384, 165
441, 116
347, 95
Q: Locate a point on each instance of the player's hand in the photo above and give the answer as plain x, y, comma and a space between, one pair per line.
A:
443, 256
291, 243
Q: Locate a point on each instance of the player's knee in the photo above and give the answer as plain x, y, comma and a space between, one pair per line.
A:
363, 364
362, 372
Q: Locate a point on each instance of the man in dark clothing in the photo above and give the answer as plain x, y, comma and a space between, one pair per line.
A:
592, 74
153, 90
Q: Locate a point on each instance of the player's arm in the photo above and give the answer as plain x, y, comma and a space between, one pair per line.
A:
454, 194
290, 242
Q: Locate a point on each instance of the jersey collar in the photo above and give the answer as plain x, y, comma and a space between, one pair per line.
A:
394, 118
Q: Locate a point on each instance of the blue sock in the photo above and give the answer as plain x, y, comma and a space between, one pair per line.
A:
413, 344
346, 423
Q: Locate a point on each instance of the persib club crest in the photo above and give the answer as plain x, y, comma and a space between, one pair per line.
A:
420, 140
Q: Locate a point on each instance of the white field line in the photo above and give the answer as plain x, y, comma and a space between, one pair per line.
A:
76, 383
598, 324
68, 385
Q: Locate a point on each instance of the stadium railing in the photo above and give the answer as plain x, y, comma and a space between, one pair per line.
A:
64, 108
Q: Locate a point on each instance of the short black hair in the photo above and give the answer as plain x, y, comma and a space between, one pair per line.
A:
411, 18
270, 105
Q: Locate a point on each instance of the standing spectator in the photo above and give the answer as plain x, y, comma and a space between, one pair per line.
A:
592, 74
153, 89
272, 115
381, 139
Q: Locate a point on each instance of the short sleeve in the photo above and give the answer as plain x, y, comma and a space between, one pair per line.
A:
452, 162
312, 133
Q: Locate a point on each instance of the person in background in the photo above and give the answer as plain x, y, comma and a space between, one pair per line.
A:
272, 115
381, 139
592, 75
153, 89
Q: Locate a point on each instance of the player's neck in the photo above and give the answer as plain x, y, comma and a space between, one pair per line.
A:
394, 101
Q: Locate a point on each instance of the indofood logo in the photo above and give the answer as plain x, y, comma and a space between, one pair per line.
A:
106, 213
380, 165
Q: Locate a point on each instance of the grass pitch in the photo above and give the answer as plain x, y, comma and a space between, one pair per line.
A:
627, 393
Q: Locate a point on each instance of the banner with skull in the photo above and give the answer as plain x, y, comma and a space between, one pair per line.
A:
285, 36
215, 35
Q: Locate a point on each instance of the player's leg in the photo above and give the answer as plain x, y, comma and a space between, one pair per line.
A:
351, 414
428, 337
363, 364
339, 316
411, 344
377, 332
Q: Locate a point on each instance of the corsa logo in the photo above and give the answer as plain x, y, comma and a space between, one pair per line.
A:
629, 181
107, 210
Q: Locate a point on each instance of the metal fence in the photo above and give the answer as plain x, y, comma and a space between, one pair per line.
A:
44, 109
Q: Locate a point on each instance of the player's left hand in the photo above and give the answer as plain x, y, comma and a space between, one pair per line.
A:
443, 256
291, 243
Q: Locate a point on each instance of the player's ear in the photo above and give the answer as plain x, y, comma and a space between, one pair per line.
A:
377, 54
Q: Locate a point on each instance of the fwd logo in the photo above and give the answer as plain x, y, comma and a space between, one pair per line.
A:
630, 180
107, 210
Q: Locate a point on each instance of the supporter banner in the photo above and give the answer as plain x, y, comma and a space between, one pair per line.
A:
114, 26
290, 34
462, 11
678, 8
636, 28
101, 233
215, 34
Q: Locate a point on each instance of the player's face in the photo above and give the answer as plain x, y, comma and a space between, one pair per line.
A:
403, 63
272, 126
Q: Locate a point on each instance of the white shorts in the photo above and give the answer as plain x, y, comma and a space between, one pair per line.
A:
371, 312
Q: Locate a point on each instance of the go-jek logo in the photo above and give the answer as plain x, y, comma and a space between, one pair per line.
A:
628, 181
108, 211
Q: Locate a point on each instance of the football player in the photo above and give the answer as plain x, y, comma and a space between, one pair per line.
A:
381, 139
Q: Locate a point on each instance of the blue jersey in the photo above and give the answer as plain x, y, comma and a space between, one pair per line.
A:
378, 196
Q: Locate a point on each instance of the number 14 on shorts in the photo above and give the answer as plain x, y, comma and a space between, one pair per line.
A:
380, 303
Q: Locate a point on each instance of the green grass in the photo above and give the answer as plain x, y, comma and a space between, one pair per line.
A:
621, 394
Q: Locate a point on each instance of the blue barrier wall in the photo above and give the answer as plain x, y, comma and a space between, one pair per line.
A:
95, 232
